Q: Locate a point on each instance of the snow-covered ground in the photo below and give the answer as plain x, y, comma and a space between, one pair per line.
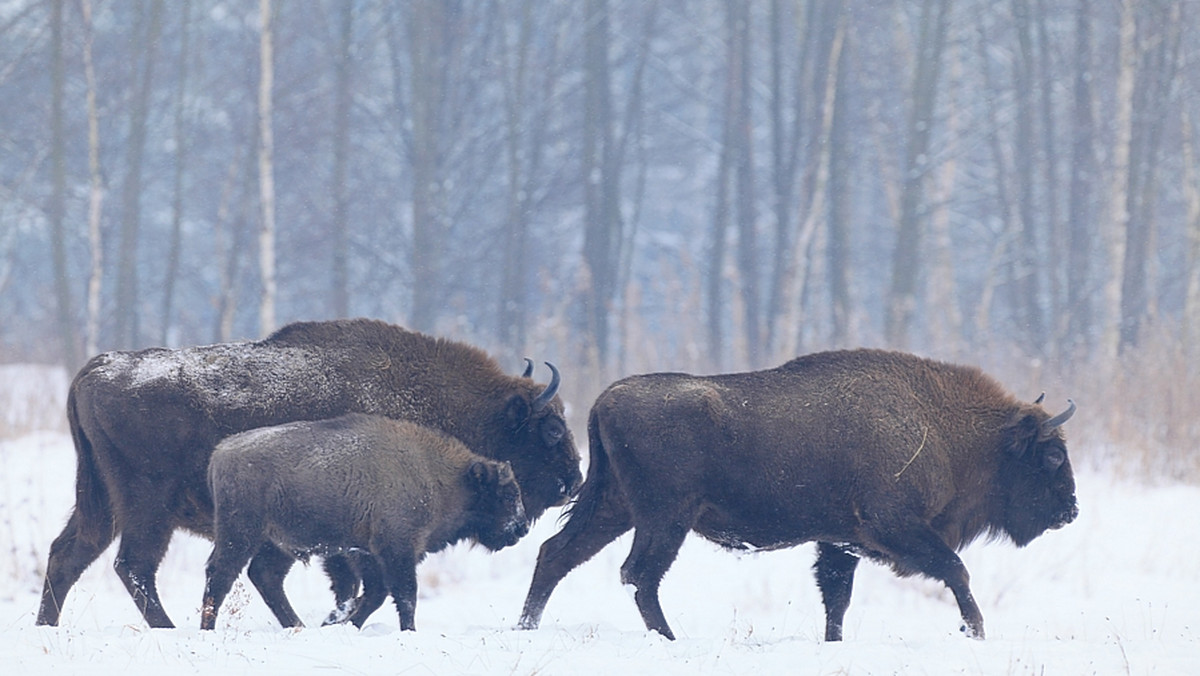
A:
1118, 591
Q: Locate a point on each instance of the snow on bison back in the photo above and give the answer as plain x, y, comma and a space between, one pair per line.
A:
144, 424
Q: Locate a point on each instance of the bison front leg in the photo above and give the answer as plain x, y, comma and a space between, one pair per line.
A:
652, 554
400, 573
921, 550
835, 578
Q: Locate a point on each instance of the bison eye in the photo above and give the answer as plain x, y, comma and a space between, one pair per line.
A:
1054, 459
552, 432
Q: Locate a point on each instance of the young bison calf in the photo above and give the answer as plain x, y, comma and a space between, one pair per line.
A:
389, 491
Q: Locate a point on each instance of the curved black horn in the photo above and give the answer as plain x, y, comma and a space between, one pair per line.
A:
528, 368
1059, 419
1039, 400
547, 394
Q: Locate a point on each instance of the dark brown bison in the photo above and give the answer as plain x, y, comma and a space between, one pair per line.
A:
869, 453
390, 491
144, 424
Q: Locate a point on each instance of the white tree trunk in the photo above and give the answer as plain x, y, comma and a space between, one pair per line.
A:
1118, 210
266, 178
96, 191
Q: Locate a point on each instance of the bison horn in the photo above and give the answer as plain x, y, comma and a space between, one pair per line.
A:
528, 368
547, 394
1041, 397
1059, 419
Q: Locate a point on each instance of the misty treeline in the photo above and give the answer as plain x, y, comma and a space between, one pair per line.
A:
619, 185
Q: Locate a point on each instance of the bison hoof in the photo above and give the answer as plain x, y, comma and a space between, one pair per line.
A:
342, 613
972, 632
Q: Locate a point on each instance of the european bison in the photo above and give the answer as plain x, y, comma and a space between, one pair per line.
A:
869, 453
144, 424
388, 490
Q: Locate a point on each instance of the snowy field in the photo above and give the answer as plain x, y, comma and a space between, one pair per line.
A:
1116, 592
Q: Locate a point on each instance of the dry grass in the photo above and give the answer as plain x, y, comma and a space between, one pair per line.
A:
33, 398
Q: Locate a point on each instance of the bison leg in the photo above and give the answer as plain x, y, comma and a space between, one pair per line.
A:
835, 578
920, 549
229, 556
375, 588
268, 568
70, 554
141, 550
400, 573
586, 532
343, 582
653, 553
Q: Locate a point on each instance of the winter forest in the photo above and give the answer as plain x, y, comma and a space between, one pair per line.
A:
623, 186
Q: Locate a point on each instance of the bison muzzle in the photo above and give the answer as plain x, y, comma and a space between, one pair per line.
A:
871, 453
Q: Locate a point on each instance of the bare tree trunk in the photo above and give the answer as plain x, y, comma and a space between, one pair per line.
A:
838, 250
127, 334
341, 151
902, 299
181, 147
1056, 238
96, 189
230, 232
743, 153
512, 308
720, 222
1117, 217
1191, 192
945, 318
427, 44
68, 335
266, 172
1083, 174
602, 233
1026, 275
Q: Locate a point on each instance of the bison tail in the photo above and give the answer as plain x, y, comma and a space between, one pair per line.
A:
92, 505
591, 493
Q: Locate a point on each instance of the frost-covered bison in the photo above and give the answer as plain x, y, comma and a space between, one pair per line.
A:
870, 453
144, 424
388, 490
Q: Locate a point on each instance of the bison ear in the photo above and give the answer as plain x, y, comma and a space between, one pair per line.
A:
516, 412
482, 473
1021, 433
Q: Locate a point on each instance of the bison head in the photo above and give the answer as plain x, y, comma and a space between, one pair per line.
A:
496, 515
543, 451
1037, 477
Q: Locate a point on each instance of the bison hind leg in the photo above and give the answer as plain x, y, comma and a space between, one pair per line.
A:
70, 554
374, 586
586, 532
142, 548
267, 571
344, 582
835, 578
224, 566
653, 552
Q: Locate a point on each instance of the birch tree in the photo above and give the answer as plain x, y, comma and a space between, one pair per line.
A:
266, 174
